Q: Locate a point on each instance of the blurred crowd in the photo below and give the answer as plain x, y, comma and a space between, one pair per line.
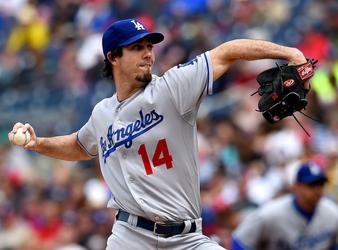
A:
50, 76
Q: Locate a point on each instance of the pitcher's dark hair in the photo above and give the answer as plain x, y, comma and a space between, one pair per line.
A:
107, 70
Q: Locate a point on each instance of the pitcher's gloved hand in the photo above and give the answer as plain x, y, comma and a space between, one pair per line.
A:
282, 90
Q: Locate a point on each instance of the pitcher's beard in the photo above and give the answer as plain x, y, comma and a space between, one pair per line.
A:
145, 78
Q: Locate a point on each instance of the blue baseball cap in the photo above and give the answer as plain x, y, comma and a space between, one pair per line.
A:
124, 32
309, 173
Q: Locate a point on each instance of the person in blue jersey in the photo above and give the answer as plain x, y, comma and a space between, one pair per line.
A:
302, 220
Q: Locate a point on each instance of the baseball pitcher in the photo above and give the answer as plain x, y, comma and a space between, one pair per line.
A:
145, 136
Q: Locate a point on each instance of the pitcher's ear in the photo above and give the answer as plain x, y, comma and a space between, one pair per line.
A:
111, 58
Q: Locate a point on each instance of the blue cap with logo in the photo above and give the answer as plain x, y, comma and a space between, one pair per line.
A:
309, 173
124, 32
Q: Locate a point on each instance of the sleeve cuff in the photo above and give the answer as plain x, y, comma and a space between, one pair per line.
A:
83, 147
209, 90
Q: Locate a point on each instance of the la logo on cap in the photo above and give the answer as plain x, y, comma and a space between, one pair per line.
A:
314, 169
138, 26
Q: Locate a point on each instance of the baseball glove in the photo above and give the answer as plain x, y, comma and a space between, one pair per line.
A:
282, 90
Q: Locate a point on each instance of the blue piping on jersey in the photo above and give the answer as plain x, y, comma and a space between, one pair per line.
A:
208, 75
236, 244
307, 215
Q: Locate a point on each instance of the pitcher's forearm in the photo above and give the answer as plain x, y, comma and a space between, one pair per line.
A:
258, 49
224, 55
61, 147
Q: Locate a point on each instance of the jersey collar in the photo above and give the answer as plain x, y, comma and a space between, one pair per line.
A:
307, 215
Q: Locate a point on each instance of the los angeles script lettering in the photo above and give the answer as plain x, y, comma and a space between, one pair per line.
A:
125, 135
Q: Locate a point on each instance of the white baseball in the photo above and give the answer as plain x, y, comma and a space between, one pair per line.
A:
21, 138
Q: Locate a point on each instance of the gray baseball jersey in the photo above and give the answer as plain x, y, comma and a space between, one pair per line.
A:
280, 225
147, 144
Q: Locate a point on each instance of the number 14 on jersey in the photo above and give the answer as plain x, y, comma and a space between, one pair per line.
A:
161, 156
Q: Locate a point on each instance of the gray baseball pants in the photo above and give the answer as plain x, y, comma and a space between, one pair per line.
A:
129, 237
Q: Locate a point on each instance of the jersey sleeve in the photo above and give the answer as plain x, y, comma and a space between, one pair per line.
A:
189, 82
248, 233
86, 138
